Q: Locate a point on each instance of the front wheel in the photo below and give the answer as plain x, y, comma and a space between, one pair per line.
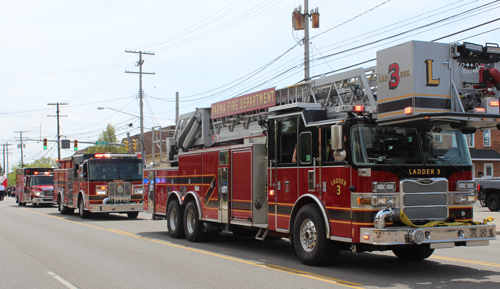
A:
309, 238
192, 225
175, 226
132, 215
493, 202
84, 214
413, 253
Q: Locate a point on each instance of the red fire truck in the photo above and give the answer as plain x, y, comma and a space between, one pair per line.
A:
99, 183
34, 186
363, 160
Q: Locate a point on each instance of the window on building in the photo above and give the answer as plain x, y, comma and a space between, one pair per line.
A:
488, 170
437, 138
470, 140
486, 138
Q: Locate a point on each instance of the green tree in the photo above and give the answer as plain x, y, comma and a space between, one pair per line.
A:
109, 135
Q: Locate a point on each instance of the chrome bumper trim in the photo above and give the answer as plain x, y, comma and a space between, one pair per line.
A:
471, 235
117, 208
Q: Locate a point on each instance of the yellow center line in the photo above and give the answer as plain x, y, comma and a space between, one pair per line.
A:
466, 261
266, 266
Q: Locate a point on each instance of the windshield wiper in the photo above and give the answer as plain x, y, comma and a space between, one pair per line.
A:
451, 164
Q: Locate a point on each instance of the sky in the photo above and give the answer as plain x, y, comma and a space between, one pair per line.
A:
74, 53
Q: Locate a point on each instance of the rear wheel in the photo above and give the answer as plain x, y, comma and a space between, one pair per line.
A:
192, 225
175, 214
84, 214
309, 238
133, 215
493, 202
413, 253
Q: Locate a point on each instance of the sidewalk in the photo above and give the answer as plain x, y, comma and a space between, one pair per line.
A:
481, 213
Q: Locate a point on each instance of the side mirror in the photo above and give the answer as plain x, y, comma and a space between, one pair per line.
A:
337, 138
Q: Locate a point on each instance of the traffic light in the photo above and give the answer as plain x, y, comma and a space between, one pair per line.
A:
75, 145
44, 143
125, 142
134, 144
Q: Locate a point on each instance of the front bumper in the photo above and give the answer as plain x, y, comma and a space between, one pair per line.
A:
116, 208
437, 237
42, 200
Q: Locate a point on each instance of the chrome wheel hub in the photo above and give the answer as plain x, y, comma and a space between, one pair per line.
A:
308, 235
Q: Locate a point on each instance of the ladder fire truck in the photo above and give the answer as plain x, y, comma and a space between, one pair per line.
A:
364, 160
34, 186
99, 183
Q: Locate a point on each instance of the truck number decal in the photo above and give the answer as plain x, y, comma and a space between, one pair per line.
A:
394, 73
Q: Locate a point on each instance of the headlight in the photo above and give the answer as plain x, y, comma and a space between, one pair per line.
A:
464, 199
101, 190
383, 187
466, 185
38, 194
383, 201
138, 190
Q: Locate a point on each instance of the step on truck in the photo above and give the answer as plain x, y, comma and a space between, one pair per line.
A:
34, 186
99, 183
369, 159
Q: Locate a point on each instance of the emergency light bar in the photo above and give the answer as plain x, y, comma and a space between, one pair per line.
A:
102, 155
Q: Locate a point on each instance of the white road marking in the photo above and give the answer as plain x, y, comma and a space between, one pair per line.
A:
60, 279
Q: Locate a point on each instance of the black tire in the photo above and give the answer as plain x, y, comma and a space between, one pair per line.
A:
413, 253
493, 202
84, 214
309, 238
192, 225
62, 209
132, 215
175, 224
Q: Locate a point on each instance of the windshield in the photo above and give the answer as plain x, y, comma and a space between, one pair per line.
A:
373, 144
115, 169
42, 180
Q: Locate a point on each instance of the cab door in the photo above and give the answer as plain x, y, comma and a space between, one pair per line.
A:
284, 171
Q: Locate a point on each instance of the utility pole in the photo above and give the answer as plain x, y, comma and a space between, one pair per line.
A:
58, 134
139, 63
306, 42
301, 22
176, 107
21, 146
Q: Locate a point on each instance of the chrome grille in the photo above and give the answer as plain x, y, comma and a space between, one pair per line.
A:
120, 191
425, 199
48, 192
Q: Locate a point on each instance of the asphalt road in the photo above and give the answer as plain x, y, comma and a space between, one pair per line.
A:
39, 248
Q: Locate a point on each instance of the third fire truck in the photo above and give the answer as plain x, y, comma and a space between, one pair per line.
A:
34, 186
99, 183
364, 160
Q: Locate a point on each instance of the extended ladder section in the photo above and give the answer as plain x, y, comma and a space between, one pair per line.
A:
410, 79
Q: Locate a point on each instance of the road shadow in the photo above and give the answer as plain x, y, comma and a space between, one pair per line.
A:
382, 270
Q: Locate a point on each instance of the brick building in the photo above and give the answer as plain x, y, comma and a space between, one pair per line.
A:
484, 149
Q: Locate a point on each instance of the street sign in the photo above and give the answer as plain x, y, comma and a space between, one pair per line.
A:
101, 143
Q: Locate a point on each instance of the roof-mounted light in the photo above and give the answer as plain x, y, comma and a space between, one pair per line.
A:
359, 108
494, 102
102, 155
